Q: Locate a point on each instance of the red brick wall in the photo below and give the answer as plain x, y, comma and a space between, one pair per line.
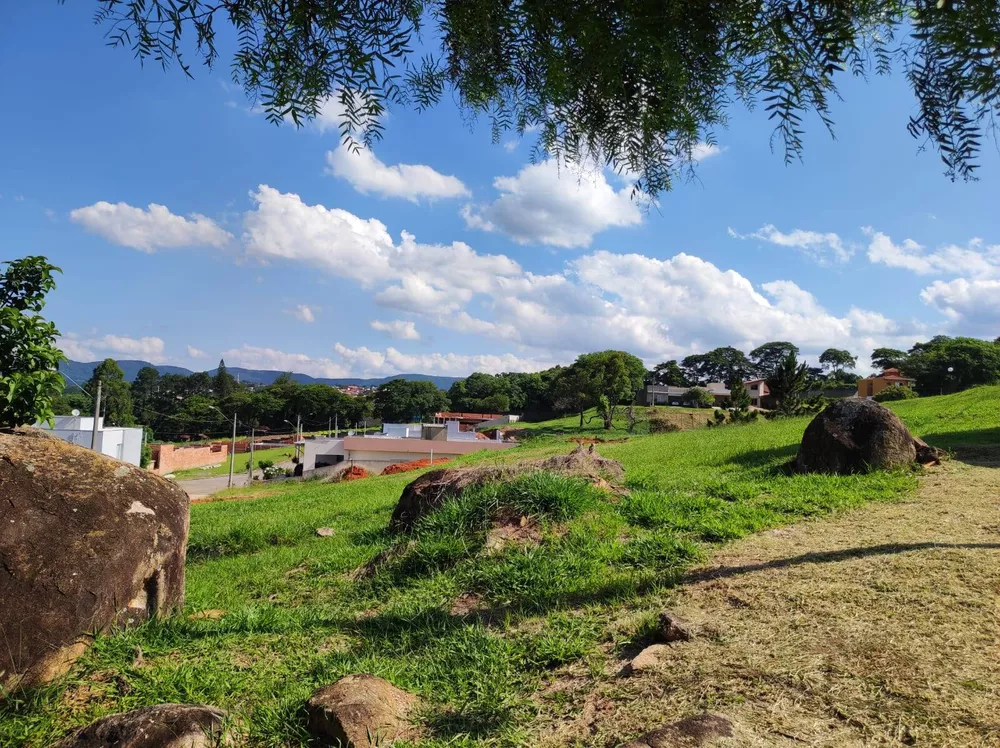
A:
167, 457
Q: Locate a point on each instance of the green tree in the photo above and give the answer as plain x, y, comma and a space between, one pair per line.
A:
29, 359
199, 383
116, 394
698, 397
223, 383
144, 394
669, 373
572, 392
402, 401
837, 361
788, 382
888, 358
739, 396
636, 83
614, 375
727, 365
768, 357
951, 364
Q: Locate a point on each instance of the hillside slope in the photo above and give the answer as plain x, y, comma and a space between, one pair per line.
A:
480, 635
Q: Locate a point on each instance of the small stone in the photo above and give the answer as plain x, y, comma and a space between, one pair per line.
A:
699, 730
160, 726
361, 710
672, 628
647, 659
325, 532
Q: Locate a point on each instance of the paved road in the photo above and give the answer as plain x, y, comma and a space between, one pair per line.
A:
199, 488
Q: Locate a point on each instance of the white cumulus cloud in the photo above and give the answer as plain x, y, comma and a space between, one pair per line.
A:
976, 259
973, 303
369, 176
195, 352
561, 207
303, 313
112, 346
150, 229
398, 328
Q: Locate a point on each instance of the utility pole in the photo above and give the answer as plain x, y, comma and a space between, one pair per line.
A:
97, 417
298, 434
336, 425
250, 461
232, 452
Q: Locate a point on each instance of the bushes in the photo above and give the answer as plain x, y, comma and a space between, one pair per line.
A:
698, 397
896, 393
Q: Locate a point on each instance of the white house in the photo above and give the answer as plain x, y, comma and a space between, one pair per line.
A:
397, 443
114, 441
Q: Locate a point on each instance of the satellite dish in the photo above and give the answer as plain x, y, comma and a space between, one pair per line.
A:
75, 412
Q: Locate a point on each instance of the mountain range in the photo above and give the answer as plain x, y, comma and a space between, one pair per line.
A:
79, 372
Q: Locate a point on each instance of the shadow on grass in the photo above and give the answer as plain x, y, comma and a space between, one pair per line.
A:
772, 459
965, 439
827, 557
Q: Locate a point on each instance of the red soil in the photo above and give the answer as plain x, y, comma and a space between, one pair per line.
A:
405, 467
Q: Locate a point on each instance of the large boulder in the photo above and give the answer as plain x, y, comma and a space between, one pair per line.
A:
430, 490
361, 710
856, 436
160, 726
86, 543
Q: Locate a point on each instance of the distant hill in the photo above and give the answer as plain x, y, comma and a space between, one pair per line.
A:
81, 372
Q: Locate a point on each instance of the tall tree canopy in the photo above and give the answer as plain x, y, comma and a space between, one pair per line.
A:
888, 358
116, 393
669, 373
728, 365
768, 357
788, 382
402, 401
612, 379
971, 361
837, 360
636, 84
29, 359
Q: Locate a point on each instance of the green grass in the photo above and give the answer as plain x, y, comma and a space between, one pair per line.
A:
275, 455
297, 618
594, 426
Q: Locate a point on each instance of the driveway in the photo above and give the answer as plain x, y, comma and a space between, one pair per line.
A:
199, 488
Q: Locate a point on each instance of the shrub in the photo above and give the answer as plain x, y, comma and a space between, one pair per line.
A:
662, 426
698, 397
896, 393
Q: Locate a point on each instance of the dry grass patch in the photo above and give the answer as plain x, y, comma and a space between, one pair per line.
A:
878, 627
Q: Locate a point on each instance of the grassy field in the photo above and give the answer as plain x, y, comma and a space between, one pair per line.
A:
685, 418
275, 455
476, 633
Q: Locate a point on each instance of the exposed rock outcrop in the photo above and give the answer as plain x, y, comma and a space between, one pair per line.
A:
430, 490
86, 542
160, 726
361, 710
856, 436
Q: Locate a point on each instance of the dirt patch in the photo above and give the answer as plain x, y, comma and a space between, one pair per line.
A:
406, 467
354, 473
596, 440
875, 627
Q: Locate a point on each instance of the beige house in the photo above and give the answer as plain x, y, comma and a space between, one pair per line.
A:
868, 388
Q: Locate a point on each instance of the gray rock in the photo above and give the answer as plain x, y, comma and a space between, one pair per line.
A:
86, 543
160, 726
855, 436
672, 628
361, 710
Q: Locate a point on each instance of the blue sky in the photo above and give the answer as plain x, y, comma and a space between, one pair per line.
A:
278, 249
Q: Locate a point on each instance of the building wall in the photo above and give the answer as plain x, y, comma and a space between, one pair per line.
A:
874, 385
167, 457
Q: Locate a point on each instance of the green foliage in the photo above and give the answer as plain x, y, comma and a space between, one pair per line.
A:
669, 374
223, 383
837, 361
889, 358
739, 396
788, 382
896, 393
611, 378
637, 85
728, 365
401, 401
972, 362
768, 357
116, 393
29, 359
698, 397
